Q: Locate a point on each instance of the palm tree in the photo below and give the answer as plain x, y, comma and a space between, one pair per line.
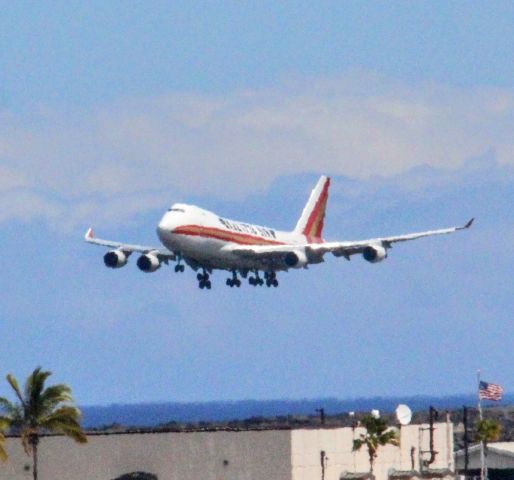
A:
39, 410
377, 434
487, 430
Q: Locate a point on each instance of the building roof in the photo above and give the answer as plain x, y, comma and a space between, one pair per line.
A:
500, 456
501, 448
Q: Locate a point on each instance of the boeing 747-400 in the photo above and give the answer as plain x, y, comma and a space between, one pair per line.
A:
205, 241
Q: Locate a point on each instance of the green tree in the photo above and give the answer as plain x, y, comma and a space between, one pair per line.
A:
377, 433
40, 410
487, 430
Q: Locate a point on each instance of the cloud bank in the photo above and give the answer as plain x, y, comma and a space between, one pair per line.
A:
118, 160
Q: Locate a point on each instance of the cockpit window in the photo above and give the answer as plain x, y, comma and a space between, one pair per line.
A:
176, 210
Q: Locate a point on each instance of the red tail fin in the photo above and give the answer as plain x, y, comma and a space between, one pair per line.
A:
313, 215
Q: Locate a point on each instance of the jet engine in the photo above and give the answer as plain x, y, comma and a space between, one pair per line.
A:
374, 254
115, 259
296, 259
148, 262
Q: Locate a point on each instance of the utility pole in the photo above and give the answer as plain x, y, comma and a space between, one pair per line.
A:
483, 471
323, 459
321, 412
433, 415
466, 440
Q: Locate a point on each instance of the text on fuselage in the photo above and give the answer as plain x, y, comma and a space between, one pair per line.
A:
247, 228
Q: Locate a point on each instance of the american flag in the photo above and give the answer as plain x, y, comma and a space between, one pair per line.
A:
490, 391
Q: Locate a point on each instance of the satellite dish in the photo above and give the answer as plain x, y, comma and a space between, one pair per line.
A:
403, 414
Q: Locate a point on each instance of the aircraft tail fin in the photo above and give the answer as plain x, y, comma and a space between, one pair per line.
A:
311, 221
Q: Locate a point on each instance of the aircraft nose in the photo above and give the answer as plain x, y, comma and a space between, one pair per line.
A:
165, 225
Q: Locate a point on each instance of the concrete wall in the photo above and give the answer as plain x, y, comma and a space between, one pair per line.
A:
171, 456
306, 446
251, 455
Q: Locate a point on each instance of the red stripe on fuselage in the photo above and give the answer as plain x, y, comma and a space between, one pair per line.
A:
224, 235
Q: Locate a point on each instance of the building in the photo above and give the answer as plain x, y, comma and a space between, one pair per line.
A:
296, 454
500, 461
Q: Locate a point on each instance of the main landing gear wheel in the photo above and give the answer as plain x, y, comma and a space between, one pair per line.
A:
234, 281
256, 280
203, 280
271, 279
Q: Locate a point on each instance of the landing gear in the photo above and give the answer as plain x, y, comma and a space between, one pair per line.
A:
203, 280
256, 280
179, 267
234, 281
271, 279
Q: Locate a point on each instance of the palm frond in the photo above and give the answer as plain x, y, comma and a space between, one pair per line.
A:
34, 387
63, 413
7, 407
65, 420
13, 419
14, 385
389, 437
70, 428
78, 435
55, 395
357, 444
5, 423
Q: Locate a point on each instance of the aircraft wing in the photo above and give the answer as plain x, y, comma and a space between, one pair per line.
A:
128, 248
315, 251
349, 248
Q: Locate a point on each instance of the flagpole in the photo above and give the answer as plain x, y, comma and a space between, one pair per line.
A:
482, 455
478, 392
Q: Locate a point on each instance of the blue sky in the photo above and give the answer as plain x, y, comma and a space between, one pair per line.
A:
110, 112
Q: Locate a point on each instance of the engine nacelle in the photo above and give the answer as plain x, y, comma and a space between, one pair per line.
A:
148, 262
296, 259
374, 254
115, 259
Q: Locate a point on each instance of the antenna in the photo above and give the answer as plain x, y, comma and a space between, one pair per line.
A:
403, 414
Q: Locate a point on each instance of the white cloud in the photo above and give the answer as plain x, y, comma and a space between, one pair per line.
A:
124, 158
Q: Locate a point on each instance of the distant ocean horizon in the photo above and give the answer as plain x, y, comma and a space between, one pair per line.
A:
151, 414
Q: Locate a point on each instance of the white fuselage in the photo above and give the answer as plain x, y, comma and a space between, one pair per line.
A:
201, 236
206, 241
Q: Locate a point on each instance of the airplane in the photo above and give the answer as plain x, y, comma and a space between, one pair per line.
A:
205, 241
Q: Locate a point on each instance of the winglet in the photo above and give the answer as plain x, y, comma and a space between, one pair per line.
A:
469, 223
89, 234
